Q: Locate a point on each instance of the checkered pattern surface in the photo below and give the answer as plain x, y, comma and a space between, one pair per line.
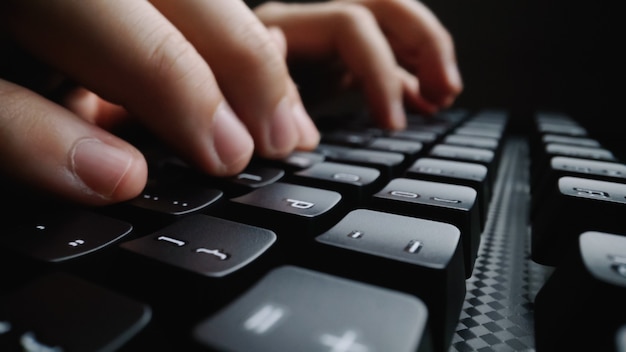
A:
498, 311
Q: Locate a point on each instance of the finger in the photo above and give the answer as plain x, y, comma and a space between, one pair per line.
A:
413, 98
278, 36
132, 56
250, 69
350, 31
94, 109
47, 147
422, 45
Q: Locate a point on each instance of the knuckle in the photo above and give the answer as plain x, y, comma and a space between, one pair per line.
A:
354, 15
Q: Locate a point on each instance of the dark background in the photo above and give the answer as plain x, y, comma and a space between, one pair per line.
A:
541, 55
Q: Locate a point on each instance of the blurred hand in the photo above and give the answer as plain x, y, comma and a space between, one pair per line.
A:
396, 50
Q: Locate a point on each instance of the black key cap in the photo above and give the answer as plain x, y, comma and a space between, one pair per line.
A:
427, 138
573, 206
389, 163
174, 199
581, 307
453, 204
407, 147
474, 155
205, 245
472, 141
377, 244
353, 182
65, 234
293, 309
456, 172
561, 166
298, 160
297, 210
59, 312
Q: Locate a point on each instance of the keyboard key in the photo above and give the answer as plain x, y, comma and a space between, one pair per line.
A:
61, 235
581, 307
294, 309
574, 205
456, 172
389, 163
60, 312
355, 183
565, 166
453, 204
297, 210
205, 245
376, 244
473, 155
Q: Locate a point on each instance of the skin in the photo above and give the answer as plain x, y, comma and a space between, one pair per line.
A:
209, 78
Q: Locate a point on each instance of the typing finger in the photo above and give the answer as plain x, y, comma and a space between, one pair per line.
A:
46, 146
351, 32
421, 44
132, 56
251, 71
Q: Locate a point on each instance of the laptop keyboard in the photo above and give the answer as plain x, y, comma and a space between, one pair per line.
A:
452, 235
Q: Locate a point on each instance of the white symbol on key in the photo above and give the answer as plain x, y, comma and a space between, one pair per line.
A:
76, 243
263, 319
345, 343
246, 176
300, 204
216, 252
179, 243
29, 343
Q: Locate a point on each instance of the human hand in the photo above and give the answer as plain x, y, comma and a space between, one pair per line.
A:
397, 50
204, 76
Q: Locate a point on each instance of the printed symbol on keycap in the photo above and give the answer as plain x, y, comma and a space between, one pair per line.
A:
344, 343
445, 200
342, 176
182, 204
355, 234
29, 343
264, 319
413, 246
40, 227
300, 204
215, 252
76, 243
591, 193
246, 176
404, 194
618, 264
179, 243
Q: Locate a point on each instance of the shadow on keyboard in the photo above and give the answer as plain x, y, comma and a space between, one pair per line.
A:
453, 235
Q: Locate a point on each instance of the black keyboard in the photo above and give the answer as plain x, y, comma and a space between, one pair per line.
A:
456, 234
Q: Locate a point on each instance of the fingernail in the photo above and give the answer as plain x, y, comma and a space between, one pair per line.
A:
283, 133
309, 135
231, 139
99, 166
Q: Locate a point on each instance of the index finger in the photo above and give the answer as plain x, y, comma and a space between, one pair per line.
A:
421, 44
130, 54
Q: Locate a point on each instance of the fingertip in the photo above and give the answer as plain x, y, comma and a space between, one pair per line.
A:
106, 172
231, 142
309, 134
